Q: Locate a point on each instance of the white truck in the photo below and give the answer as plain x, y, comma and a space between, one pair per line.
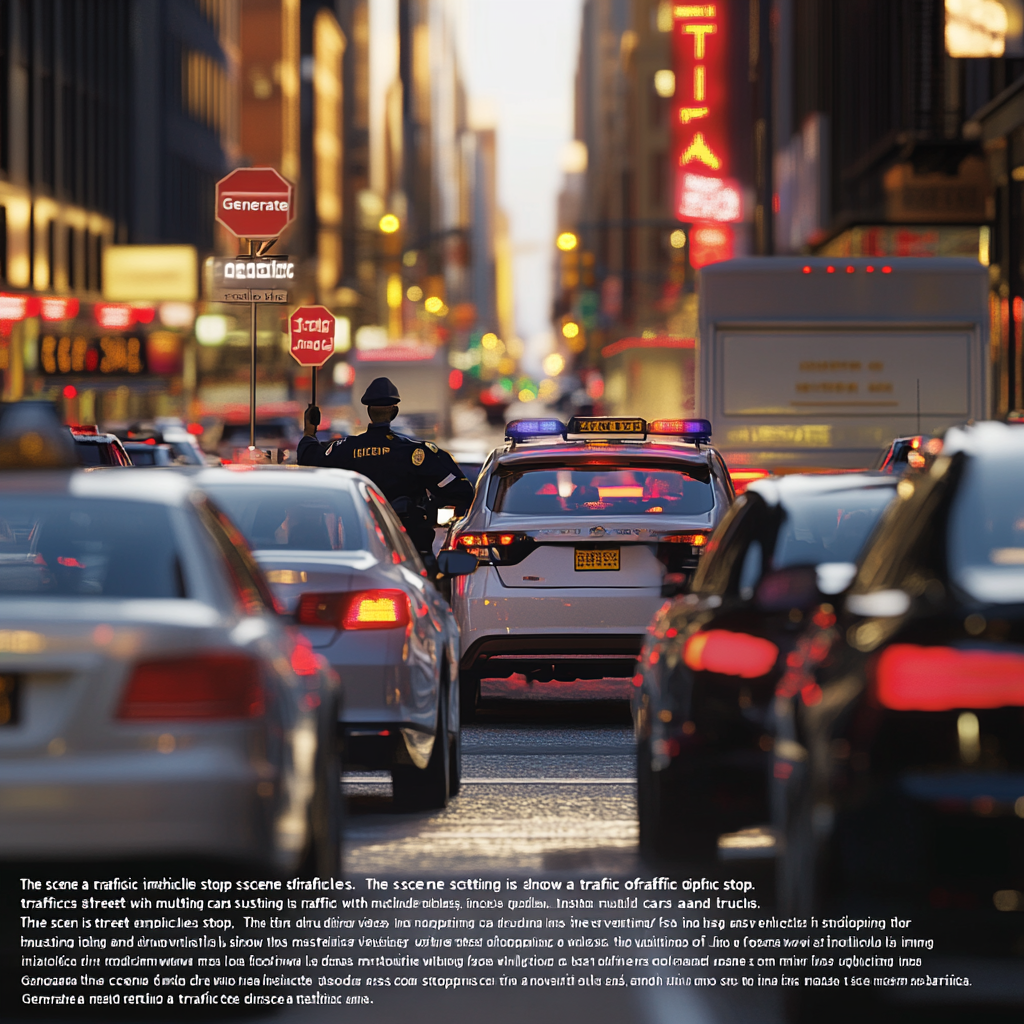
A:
818, 363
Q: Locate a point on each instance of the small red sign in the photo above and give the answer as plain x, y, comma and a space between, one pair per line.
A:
311, 333
255, 202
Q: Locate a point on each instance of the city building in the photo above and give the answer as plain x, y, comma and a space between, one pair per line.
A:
118, 119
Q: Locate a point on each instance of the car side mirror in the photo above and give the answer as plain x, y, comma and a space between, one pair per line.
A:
674, 583
793, 587
456, 563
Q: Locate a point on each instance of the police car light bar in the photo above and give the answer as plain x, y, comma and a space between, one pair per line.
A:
525, 430
699, 430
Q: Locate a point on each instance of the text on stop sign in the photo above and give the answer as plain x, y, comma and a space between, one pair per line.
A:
321, 326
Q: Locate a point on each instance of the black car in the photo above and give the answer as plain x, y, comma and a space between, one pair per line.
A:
708, 670
93, 448
899, 757
145, 453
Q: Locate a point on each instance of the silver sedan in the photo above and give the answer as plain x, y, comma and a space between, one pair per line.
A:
339, 560
152, 700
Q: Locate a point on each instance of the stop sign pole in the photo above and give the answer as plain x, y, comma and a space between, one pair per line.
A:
255, 203
311, 343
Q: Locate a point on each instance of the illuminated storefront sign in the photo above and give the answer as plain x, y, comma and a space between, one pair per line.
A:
102, 356
704, 190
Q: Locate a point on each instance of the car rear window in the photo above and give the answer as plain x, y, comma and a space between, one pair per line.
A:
986, 532
288, 518
574, 490
85, 547
97, 453
829, 527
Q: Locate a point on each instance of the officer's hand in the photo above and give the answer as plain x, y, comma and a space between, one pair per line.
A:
311, 420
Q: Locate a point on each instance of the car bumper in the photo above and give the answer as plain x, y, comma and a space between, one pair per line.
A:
586, 630
186, 803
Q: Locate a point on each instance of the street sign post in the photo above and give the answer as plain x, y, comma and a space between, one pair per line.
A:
255, 203
311, 332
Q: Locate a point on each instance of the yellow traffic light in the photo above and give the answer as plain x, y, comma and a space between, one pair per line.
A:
389, 224
570, 330
567, 241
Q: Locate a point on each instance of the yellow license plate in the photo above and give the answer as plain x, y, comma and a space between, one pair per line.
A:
597, 559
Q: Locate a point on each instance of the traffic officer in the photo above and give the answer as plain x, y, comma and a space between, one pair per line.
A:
415, 476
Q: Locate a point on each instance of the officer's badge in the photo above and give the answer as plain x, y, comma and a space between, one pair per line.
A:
418, 456
432, 447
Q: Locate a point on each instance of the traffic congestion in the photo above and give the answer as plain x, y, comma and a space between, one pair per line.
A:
512, 511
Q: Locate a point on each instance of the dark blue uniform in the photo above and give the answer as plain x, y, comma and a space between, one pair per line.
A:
413, 475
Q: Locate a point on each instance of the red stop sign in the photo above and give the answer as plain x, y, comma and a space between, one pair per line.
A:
311, 332
255, 202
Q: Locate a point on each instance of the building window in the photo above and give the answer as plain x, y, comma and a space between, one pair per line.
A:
204, 90
72, 260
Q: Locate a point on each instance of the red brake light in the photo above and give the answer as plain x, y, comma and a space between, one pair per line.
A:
304, 662
830, 270
909, 677
83, 428
205, 686
698, 540
730, 654
807, 270
377, 609
485, 540
742, 478
851, 270
362, 609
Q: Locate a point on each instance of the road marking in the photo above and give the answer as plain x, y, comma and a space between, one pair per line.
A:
510, 781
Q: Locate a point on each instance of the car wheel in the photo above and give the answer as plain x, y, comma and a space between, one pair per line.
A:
322, 858
425, 789
455, 763
469, 694
671, 828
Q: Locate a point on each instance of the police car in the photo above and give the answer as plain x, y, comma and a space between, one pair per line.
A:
580, 531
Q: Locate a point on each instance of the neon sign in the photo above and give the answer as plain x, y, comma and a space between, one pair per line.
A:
704, 192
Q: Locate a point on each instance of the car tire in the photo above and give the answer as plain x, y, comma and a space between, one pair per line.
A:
455, 763
322, 858
426, 789
469, 696
669, 828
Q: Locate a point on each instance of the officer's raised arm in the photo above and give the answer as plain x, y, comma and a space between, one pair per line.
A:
310, 451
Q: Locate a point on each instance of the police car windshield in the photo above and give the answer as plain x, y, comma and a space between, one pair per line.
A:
288, 518
85, 547
617, 491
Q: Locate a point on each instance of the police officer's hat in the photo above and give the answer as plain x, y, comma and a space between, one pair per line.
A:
381, 392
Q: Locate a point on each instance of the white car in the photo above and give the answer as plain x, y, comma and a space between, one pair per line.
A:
340, 562
580, 532
152, 700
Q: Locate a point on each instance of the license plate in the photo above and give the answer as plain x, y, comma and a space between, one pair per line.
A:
597, 559
10, 690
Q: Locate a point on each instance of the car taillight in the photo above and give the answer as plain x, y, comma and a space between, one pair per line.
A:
909, 677
201, 687
486, 540
730, 654
698, 540
361, 609
743, 478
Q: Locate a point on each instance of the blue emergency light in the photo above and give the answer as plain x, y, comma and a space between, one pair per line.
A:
691, 430
527, 430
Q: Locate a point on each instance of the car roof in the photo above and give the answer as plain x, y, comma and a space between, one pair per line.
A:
988, 438
776, 489
241, 475
162, 486
534, 451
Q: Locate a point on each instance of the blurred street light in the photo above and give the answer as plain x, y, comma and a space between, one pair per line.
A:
570, 329
677, 239
211, 329
567, 241
489, 340
394, 291
554, 364
389, 224
665, 83
415, 293
435, 305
